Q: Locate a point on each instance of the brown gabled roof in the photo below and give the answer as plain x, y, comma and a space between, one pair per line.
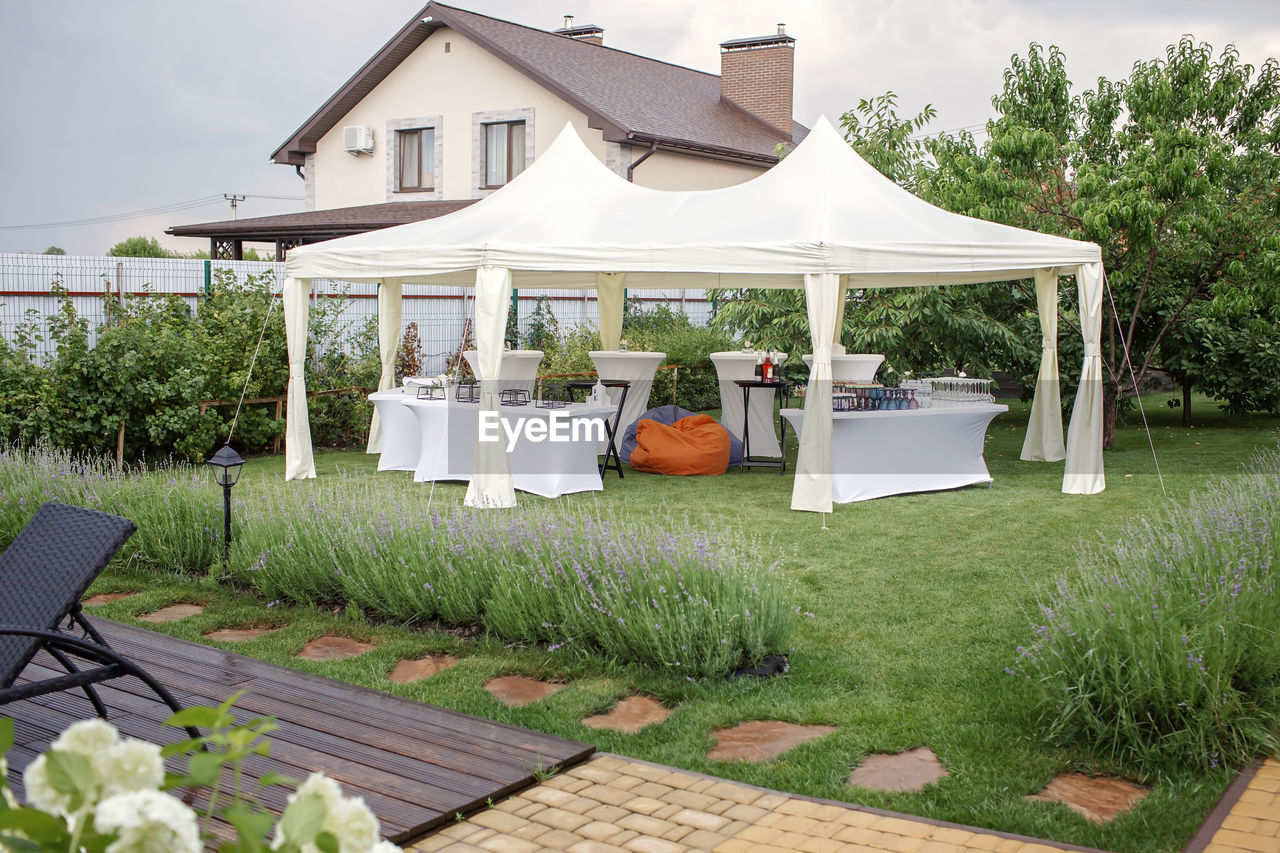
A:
630, 98
312, 225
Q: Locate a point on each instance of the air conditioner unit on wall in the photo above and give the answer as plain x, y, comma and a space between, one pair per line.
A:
357, 139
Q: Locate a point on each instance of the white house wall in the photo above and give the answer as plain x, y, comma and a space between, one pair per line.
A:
667, 170
455, 87
456, 90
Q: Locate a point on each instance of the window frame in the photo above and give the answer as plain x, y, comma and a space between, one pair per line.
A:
509, 124
402, 136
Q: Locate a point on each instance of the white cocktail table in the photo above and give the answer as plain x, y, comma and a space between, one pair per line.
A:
731, 366
876, 454
637, 368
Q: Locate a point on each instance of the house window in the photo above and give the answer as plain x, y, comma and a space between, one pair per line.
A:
416, 163
503, 152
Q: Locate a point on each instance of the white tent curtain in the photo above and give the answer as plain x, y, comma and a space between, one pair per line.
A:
836, 346
490, 484
390, 319
609, 290
1083, 475
298, 462
812, 488
1044, 429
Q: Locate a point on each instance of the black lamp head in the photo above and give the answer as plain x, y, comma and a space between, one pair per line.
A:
226, 466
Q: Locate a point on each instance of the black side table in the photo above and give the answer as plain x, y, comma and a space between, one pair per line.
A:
611, 429
783, 392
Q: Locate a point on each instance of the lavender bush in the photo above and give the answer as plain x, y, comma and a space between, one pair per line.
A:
647, 589
1164, 647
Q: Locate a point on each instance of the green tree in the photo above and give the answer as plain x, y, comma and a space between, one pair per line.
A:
1173, 172
54, 250
139, 247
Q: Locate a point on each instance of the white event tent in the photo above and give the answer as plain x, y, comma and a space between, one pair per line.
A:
822, 220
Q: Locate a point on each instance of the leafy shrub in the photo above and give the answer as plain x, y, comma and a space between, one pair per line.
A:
1164, 646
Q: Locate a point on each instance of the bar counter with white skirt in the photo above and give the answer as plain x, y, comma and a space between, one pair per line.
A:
880, 453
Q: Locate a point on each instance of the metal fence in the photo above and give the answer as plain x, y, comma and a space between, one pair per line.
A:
27, 297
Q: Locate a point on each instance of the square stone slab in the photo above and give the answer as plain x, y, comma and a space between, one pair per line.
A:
1097, 799
630, 715
238, 635
173, 613
409, 671
333, 648
515, 691
903, 771
106, 598
761, 740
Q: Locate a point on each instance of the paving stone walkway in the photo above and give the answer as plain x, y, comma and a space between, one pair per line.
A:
612, 804
1254, 822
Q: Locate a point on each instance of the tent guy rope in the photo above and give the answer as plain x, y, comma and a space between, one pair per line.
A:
1137, 396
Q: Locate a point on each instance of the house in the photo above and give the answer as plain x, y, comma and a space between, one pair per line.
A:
458, 103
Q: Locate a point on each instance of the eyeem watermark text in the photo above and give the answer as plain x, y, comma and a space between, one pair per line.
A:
556, 427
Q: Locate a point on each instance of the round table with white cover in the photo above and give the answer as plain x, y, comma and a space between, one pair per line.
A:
731, 366
401, 441
881, 453
637, 368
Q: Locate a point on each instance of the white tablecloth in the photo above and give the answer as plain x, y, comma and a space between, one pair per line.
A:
742, 365
446, 441
875, 454
400, 439
637, 368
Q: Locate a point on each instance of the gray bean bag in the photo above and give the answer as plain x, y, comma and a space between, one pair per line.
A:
669, 415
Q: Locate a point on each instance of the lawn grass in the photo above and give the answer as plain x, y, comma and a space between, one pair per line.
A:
918, 601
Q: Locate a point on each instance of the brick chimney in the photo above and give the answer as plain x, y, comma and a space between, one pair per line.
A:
582, 32
757, 74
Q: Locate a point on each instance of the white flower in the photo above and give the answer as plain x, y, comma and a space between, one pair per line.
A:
39, 792
88, 738
347, 819
355, 827
131, 765
148, 822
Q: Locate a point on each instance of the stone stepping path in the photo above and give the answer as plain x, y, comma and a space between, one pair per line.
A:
173, 613
106, 598
516, 691
1098, 799
333, 648
903, 771
762, 740
630, 715
409, 671
238, 635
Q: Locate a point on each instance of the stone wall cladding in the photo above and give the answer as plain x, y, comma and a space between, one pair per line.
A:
478, 121
760, 80
436, 123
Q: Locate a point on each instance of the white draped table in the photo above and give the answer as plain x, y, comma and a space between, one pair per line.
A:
400, 439
742, 365
446, 442
637, 368
876, 454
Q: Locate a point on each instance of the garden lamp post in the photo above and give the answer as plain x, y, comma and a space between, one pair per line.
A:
226, 471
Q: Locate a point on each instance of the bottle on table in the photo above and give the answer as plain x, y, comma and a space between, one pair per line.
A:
767, 369
760, 367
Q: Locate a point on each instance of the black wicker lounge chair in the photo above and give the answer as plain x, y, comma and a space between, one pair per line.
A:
43, 574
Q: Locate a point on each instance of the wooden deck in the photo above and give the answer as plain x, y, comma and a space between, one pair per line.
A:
415, 765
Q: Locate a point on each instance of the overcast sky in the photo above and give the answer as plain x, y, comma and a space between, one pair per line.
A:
134, 105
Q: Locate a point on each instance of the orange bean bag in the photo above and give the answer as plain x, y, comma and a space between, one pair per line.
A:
692, 445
